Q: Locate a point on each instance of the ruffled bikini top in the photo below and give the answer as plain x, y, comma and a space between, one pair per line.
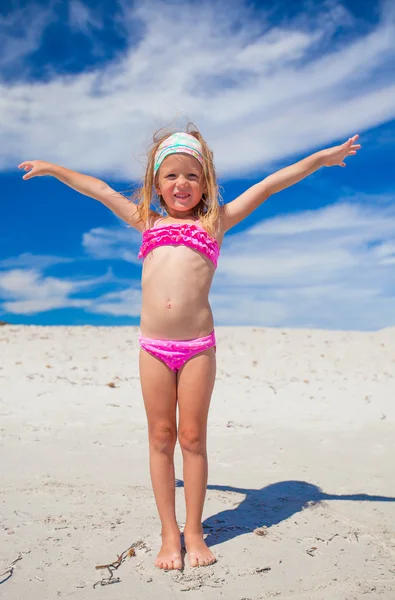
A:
176, 234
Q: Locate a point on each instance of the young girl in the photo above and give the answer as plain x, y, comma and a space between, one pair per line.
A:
177, 359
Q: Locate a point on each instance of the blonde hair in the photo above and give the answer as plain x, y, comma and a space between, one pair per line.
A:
208, 208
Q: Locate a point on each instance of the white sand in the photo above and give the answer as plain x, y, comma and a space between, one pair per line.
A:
301, 440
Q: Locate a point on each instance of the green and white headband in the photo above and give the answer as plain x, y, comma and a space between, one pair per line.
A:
175, 143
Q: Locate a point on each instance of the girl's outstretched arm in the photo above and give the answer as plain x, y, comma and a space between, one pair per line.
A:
244, 205
87, 185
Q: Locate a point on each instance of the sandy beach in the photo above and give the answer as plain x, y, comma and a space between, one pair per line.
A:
301, 496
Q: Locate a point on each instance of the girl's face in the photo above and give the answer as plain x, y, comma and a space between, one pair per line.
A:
181, 184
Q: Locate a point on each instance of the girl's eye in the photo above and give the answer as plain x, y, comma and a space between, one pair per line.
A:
190, 175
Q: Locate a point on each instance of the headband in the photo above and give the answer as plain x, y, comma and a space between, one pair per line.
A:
178, 142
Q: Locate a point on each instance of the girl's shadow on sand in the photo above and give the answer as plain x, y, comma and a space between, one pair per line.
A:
267, 506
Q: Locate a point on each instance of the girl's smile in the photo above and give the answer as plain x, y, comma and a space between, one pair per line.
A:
180, 182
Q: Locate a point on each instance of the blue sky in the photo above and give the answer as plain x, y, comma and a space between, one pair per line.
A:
85, 85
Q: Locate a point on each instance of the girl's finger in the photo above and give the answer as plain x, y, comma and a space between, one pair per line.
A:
352, 139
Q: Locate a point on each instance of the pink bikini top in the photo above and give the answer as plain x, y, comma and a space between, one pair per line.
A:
176, 234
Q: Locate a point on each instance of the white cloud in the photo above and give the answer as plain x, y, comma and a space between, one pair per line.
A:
117, 243
329, 268
126, 303
21, 32
258, 92
386, 252
27, 291
37, 261
82, 18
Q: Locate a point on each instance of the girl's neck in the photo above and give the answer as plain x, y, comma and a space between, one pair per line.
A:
181, 219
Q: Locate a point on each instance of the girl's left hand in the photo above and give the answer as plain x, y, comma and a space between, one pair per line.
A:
337, 154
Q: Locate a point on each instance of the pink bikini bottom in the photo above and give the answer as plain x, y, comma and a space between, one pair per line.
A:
175, 353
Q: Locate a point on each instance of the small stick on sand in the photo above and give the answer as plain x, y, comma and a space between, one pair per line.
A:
117, 563
8, 572
130, 552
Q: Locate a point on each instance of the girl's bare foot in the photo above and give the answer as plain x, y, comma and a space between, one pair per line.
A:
169, 556
199, 554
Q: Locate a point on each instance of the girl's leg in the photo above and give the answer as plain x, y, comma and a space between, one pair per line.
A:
158, 385
195, 383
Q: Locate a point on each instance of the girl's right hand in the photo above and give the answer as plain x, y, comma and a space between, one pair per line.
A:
35, 168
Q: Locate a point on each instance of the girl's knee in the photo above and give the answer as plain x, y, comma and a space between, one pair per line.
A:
163, 438
192, 440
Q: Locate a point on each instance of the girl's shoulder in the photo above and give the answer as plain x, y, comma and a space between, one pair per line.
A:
153, 216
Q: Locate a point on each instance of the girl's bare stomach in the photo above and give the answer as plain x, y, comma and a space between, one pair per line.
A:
169, 321
175, 302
